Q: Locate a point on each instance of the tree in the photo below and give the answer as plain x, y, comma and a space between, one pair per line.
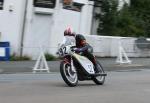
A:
107, 17
141, 11
133, 20
127, 24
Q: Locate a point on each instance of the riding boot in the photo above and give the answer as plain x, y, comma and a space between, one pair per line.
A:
96, 69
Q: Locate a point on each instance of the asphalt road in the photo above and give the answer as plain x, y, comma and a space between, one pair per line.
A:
122, 86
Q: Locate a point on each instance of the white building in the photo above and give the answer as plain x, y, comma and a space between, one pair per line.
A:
31, 23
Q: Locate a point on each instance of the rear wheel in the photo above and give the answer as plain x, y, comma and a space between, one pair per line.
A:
99, 80
69, 76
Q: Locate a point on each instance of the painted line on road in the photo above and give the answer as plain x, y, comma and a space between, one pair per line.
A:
129, 65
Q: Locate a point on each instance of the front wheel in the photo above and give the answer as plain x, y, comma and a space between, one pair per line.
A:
99, 80
69, 76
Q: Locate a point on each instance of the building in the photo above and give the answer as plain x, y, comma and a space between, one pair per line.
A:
27, 24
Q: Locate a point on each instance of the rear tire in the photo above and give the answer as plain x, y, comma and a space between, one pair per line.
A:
70, 77
99, 80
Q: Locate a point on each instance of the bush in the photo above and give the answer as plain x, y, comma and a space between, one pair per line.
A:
50, 57
14, 57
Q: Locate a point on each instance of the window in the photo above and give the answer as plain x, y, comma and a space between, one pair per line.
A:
45, 3
70, 5
77, 6
1, 4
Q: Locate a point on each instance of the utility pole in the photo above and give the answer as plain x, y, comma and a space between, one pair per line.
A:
23, 28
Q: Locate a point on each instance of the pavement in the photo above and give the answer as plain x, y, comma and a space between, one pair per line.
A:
109, 64
119, 87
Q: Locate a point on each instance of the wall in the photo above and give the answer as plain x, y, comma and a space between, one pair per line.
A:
31, 27
46, 29
107, 46
37, 30
11, 22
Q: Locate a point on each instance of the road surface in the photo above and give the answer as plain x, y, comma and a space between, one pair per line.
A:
122, 86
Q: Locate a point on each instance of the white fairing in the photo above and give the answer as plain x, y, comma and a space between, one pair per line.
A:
86, 63
64, 46
68, 40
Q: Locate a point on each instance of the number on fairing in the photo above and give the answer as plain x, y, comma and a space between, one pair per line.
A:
90, 67
63, 51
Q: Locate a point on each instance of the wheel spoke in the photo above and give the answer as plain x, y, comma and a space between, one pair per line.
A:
70, 75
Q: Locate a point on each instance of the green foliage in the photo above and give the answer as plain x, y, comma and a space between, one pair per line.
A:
50, 57
127, 24
107, 17
141, 11
133, 20
14, 57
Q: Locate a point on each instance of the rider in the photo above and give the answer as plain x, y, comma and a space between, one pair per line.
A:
85, 49
70, 38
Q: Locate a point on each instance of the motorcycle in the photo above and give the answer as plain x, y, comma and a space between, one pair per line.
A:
74, 68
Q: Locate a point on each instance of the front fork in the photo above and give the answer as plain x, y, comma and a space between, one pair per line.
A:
69, 60
72, 66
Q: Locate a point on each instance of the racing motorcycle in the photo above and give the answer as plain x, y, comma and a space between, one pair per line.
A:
74, 68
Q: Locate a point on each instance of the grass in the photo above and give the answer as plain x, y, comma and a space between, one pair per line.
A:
15, 57
50, 57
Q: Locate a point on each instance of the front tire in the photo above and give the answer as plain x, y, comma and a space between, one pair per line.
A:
70, 77
99, 80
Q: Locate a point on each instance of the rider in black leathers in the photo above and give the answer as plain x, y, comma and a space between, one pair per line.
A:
85, 49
